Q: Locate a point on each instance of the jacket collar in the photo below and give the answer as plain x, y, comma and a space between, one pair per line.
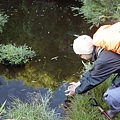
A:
94, 54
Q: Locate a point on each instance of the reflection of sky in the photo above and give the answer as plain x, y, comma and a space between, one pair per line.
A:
18, 90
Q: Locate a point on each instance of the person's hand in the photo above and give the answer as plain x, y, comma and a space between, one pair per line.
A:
71, 89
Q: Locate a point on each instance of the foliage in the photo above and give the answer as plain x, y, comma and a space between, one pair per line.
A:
87, 66
13, 55
3, 20
81, 110
37, 108
2, 110
99, 11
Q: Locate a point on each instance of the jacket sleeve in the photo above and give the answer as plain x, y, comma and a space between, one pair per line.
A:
104, 66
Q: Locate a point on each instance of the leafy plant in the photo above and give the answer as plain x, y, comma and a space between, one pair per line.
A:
99, 11
13, 55
2, 110
3, 20
87, 66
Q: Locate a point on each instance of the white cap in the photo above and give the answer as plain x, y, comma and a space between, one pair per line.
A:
83, 45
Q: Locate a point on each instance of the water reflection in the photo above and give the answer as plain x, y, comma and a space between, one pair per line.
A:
48, 27
46, 73
16, 89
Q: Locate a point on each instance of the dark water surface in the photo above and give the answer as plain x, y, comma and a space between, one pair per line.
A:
48, 27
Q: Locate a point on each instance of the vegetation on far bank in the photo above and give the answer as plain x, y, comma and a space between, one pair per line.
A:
13, 55
99, 12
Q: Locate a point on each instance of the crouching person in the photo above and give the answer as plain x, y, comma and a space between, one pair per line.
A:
105, 64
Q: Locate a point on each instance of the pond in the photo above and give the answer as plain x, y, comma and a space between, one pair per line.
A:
48, 26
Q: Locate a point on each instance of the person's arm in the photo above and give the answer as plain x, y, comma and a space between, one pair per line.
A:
104, 66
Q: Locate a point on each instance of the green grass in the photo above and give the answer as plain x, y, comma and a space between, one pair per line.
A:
37, 108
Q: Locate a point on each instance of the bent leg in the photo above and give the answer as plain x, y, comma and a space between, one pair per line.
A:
112, 98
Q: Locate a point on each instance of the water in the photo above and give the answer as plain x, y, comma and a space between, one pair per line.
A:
49, 28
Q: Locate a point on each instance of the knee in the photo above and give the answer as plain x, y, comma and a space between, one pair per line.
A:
112, 103
108, 99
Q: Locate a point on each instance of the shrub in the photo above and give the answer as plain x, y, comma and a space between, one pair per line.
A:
100, 11
3, 20
13, 55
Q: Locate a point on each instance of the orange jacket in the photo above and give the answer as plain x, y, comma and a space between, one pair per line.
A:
108, 37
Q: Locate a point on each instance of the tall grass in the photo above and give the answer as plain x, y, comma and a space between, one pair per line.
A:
37, 108
2, 109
